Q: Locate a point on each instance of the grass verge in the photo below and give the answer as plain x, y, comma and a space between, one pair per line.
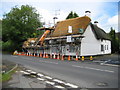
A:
7, 76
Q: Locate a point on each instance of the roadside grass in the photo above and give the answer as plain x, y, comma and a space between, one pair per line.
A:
7, 76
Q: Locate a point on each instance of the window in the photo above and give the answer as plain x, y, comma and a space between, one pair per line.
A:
102, 48
81, 30
107, 47
69, 29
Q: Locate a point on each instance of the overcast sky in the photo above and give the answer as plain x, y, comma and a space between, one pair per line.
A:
103, 11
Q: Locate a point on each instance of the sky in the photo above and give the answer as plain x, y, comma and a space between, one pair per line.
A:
103, 11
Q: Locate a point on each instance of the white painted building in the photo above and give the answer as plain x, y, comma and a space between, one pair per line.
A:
76, 36
91, 45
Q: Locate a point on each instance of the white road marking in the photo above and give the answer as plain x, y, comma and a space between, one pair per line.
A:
71, 85
58, 86
112, 65
52, 83
49, 62
59, 81
47, 77
39, 74
41, 79
29, 70
93, 68
24, 72
33, 72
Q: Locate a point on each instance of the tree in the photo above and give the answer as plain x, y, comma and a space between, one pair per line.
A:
72, 15
114, 40
18, 25
75, 15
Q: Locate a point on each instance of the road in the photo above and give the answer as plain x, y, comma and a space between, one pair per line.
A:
80, 73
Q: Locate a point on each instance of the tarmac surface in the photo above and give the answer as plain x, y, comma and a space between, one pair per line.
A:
87, 74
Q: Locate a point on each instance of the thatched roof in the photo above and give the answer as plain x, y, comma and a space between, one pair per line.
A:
99, 33
61, 28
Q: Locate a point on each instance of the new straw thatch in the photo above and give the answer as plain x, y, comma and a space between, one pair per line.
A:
78, 23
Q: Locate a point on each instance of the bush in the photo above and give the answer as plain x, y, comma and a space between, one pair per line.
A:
8, 46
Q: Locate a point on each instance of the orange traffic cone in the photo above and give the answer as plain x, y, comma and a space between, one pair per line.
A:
28, 54
40, 54
58, 57
50, 55
54, 56
44, 56
69, 57
62, 57
34, 54
37, 54
76, 58
18, 53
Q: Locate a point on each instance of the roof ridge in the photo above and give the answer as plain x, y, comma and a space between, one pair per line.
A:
73, 19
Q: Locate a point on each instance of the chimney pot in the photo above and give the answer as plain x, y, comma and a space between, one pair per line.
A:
95, 22
88, 13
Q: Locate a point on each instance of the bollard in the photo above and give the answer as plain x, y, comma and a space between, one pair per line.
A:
83, 58
91, 58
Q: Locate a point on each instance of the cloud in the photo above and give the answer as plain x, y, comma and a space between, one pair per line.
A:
106, 22
113, 20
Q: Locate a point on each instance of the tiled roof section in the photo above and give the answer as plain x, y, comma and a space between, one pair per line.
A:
99, 33
76, 23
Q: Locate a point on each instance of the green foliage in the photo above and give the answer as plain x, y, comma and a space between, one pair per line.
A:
7, 76
0, 28
18, 25
1, 45
8, 46
114, 41
75, 15
72, 15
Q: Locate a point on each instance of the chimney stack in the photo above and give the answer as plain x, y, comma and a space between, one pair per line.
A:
95, 22
88, 13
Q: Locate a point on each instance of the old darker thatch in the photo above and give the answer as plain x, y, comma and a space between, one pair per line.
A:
99, 33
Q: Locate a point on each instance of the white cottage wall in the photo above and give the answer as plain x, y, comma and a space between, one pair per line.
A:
107, 46
89, 44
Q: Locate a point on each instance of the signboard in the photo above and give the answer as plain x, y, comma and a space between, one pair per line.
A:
69, 39
69, 29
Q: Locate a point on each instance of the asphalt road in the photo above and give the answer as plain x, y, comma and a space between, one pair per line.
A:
79, 73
